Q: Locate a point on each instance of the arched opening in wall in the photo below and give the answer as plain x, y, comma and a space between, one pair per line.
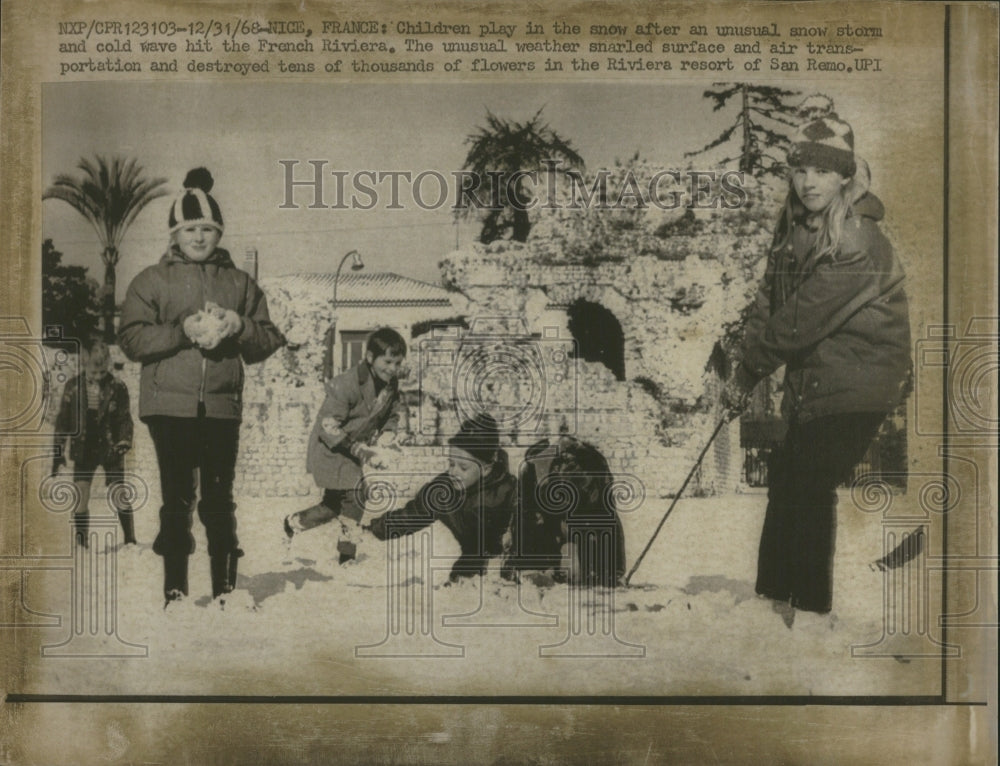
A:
598, 335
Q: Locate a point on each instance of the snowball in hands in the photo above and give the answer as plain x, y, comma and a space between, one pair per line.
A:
213, 324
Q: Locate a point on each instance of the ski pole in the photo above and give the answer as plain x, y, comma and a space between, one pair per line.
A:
638, 561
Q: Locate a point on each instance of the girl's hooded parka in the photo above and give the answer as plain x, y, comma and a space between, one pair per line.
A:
839, 323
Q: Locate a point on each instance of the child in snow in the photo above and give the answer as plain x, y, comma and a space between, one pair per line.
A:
567, 522
95, 407
474, 499
832, 309
193, 319
359, 420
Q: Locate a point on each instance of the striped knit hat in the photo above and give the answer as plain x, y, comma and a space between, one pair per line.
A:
195, 205
827, 143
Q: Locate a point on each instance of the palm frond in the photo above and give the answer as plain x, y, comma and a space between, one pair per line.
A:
109, 194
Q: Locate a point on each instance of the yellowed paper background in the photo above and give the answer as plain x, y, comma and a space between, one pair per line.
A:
928, 123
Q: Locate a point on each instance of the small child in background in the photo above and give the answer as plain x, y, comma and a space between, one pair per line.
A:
358, 421
95, 407
475, 499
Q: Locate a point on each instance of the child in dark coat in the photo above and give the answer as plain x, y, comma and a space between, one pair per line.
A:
95, 408
193, 320
361, 405
475, 499
832, 308
567, 522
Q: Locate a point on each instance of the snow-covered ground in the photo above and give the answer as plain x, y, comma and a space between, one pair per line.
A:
300, 623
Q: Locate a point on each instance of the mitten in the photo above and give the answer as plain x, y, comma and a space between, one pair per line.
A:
232, 323
372, 456
735, 395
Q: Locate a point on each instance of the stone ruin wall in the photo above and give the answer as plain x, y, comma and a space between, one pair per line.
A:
651, 425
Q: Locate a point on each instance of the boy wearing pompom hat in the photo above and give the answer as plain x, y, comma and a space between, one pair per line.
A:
192, 320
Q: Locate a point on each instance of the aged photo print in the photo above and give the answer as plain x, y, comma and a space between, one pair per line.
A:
482, 384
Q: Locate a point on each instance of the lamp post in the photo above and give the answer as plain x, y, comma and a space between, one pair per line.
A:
331, 335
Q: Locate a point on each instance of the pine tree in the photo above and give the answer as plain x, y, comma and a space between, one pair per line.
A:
763, 121
69, 296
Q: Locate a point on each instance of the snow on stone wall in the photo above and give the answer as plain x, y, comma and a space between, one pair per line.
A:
673, 284
672, 312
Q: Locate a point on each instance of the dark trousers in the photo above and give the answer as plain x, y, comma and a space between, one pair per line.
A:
795, 562
349, 503
192, 451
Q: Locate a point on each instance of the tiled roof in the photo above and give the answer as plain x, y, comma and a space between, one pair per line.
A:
369, 288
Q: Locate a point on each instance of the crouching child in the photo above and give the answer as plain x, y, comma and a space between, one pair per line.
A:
567, 522
359, 423
474, 499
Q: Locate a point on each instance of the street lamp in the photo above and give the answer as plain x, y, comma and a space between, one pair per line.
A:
331, 335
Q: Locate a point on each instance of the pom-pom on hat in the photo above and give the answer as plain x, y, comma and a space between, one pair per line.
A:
826, 142
195, 205
479, 436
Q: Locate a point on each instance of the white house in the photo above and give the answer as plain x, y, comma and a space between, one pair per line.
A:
303, 307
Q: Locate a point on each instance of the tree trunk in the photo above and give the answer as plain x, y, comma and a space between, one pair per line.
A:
746, 160
491, 229
522, 225
110, 282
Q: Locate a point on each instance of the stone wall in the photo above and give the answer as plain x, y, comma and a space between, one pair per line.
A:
672, 313
519, 361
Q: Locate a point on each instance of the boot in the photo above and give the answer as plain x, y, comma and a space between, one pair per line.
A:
81, 525
308, 519
175, 577
347, 545
219, 566
234, 559
223, 569
128, 525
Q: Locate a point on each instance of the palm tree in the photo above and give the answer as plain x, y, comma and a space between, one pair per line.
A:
497, 152
109, 195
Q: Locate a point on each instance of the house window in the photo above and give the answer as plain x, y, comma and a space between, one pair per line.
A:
352, 344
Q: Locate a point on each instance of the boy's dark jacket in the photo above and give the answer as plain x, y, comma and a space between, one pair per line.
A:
840, 323
478, 522
176, 374
355, 414
114, 420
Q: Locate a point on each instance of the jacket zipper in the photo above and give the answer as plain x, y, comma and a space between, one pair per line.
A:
204, 359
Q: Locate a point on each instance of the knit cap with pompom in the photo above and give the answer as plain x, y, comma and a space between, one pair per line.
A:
195, 206
825, 142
